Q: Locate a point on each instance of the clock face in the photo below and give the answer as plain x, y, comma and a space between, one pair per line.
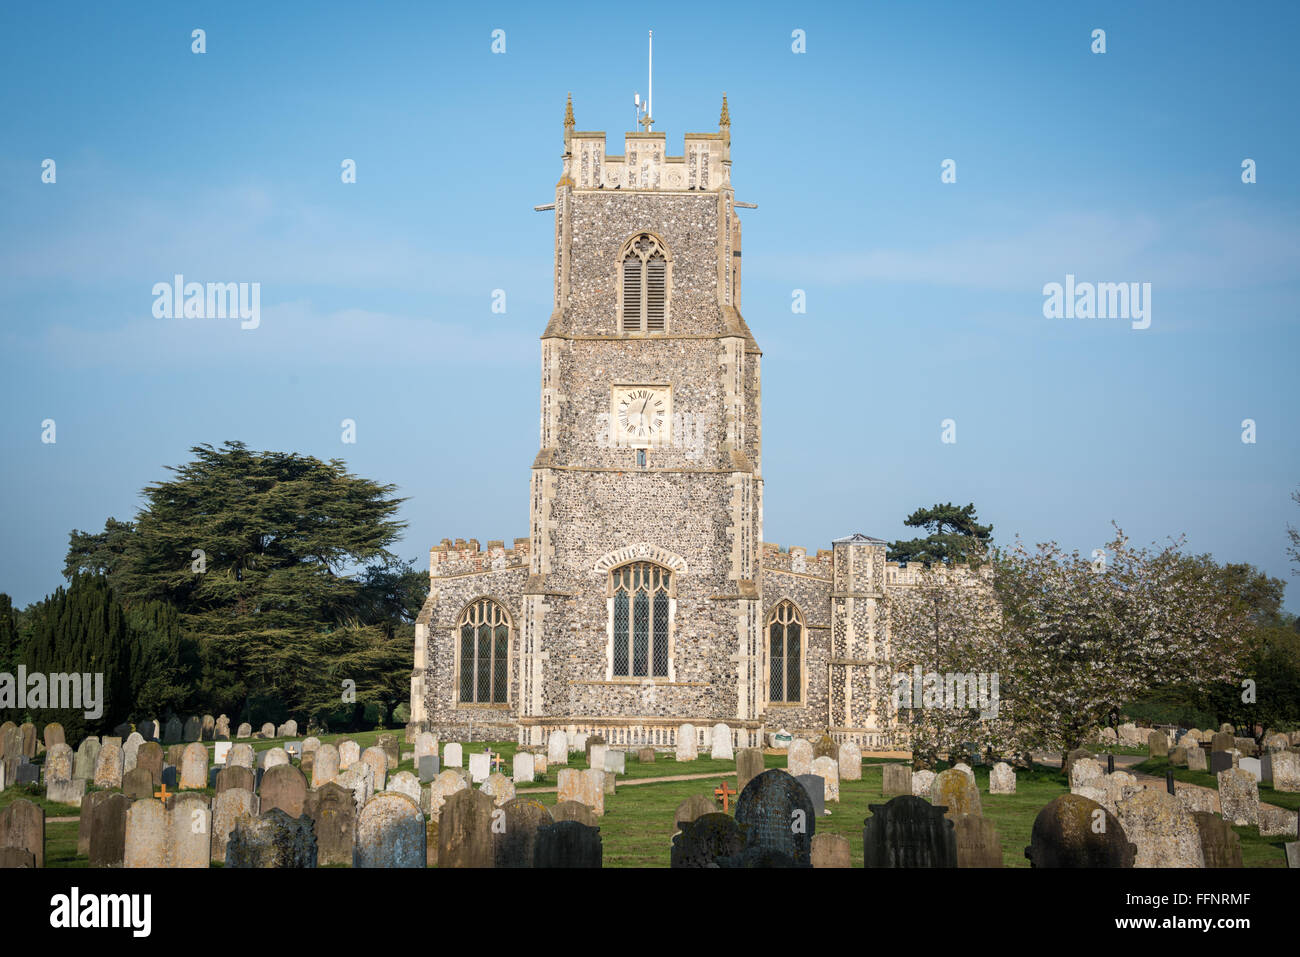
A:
642, 414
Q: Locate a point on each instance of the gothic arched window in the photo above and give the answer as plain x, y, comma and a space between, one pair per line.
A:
641, 618
785, 654
484, 653
643, 286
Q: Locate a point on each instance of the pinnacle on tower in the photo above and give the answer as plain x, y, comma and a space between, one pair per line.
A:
725, 118
568, 113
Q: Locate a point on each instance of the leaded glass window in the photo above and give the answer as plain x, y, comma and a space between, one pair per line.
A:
484, 653
641, 601
784, 653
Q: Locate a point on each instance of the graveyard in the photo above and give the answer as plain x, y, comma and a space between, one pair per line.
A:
375, 799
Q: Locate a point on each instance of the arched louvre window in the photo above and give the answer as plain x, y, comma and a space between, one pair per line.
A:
784, 653
641, 620
645, 285
484, 653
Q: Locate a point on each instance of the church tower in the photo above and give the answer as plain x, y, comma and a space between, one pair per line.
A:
641, 609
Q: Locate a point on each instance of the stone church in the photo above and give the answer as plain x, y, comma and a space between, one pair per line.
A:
644, 597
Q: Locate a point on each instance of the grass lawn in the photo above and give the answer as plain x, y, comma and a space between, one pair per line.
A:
637, 827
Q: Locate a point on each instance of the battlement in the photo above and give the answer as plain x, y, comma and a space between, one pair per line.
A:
797, 559
704, 166
462, 557
916, 573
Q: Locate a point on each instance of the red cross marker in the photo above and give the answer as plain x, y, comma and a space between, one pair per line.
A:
162, 794
725, 793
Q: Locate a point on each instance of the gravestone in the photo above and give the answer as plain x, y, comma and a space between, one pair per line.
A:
907, 831
452, 756
1158, 744
566, 844
175, 754
465, 830
53, 734
479, 766
616, 761
228, 808
390, 832
1073, 831
1163, 830
1276, 822
138, 783
1246, 746
146, 835
591, 742
108, 766
1223, 741
149, 757
27, 739
285, 787
522, 769
557, 748
310, 744
245, 730
749, 765
826, 768
953, 790
1220, 844
58, 763
1178, 757
15, 858
1196, 759
105, 833
273, 840
240, 756
831, 850
799, 757
291, 728
442, 787
1239, 797
539, 764
1252, 767
425, 744
378, 761
687, 745
596, 754
428, 766
387, 743
513, 843
360, 780
1284, 771
326, 766
404, 782
645, 755
977, 842
221, 730
192, 730
825, 747
815, 785
88, 810
333, 810
194, 766
897, 780
1085, 772
207, 728
190, 831
236, 777
720, 744
693, 808
780, 817
83, 765
850, 762
268, 730
1071, 757
705, 841
1002, 779
923, 783
499, 788
22, 826
274, 758
574, 811
586, 786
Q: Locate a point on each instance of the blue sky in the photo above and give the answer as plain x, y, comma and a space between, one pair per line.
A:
924, 298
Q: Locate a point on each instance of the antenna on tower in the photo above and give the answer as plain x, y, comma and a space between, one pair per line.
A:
643, 115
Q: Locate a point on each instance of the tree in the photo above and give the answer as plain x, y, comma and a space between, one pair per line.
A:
268, 558
955, 536
1080, 638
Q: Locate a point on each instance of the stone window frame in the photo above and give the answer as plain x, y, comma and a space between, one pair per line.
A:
455, 644
672, 575
802, 619
624, 250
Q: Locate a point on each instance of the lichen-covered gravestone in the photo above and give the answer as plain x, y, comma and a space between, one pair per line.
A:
53, 734
587, 787
955, 791
907, 831
1002, 779
84, 765
360, 780
498, 787
245, 730
799, 757
1239, 797
22, 825
1074, 831
194, 766
108, 766
442, 787
706, 841
826, 768
923, 783
230, 806
831, 850
1164, 832
106, 829
326, 766
137, 784
273, 840
693, 808
513, 842
1285, 768
1220, 844
146, 835
977, 842
464, 831
274, 758
236, 777
404, 782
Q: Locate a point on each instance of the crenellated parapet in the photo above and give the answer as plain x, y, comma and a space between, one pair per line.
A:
797, 560
461, 557
903, 575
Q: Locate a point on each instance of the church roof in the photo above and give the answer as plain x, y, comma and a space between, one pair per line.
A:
857, 538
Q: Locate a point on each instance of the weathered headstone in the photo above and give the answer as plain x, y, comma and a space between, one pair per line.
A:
977, 842
707, 840
453, 757
465, 830
221, 730
391, 833
645, 755
326, 766
147, 825
194, 766
480, 766
285, 787
586, 786
268, 730
907, 831
333, 810
1002, 779
566, 844
780, 818
953, 789
229, 807
360, 780
378, 761
1196, 759
514, 841
22, 825
105, 832
687, 744
557, 748
1074, 831
749, 765
574, 811
443, 786
1164, 832
53, 734
1239, 797
1284, 771
236, 777
273, 840
404, 782
831, 850
897, 780
694, 807
522, 769
388, 743
850, 762
1220, 844
499, 788
826, 768
245, 730
720, 744
108, 766
138, 783
1085, 772
192, 730
799, 757
1158, 744
83, 766
923, 783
